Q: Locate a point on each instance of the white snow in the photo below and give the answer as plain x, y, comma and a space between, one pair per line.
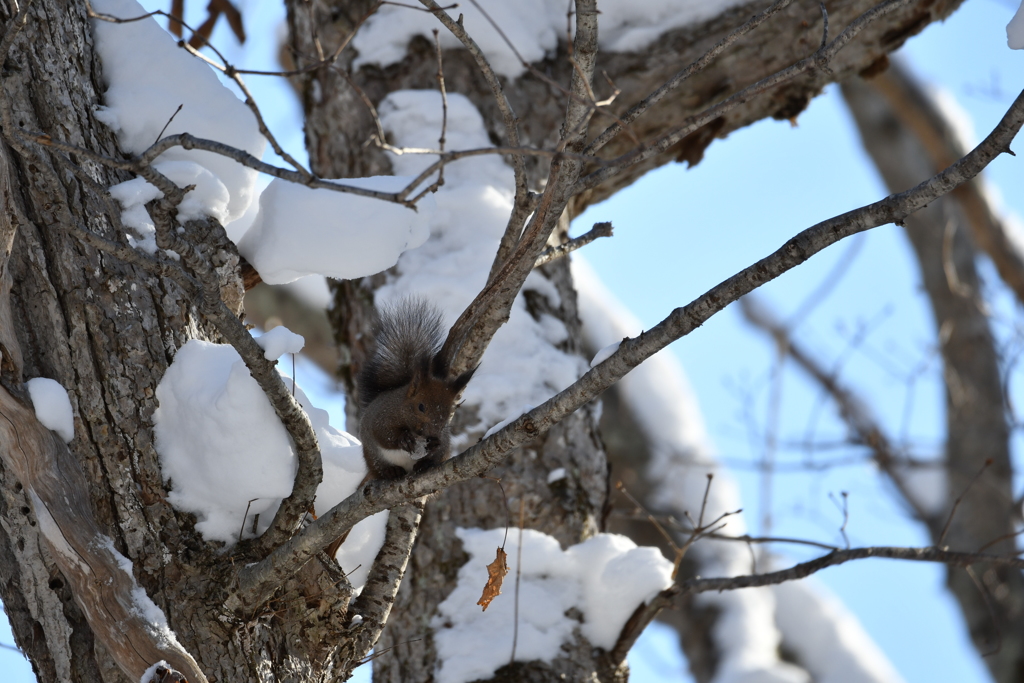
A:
508, 420
301, 230
826, 638
148, 674
279, 341
534, 27
606, 578
602, 355
522, 366
52, 406
224, 451
556, 474
659, 398
356, 555
1015, 30
148, 76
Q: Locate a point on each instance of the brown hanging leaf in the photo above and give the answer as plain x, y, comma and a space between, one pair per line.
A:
496, 571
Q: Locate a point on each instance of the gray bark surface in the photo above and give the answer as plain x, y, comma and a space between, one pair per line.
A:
106, 329
338, 124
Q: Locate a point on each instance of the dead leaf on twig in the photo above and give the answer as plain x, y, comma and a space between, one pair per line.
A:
496, 571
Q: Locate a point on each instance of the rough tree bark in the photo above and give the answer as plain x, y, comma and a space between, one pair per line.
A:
106, 328
338, 126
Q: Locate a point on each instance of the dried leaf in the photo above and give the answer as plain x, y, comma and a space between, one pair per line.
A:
496, 571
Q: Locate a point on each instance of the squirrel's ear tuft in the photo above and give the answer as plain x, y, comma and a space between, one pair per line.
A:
420, 376
439, 367
460, 382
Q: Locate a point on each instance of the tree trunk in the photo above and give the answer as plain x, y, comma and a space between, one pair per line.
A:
105, 325
106, 330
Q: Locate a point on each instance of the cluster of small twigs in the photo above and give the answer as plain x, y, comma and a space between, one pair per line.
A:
574, 168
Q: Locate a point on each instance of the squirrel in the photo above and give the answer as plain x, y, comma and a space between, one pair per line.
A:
407, 394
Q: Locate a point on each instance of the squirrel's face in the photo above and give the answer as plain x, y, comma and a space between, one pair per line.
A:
428, 406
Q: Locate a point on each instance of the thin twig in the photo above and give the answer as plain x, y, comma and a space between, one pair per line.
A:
161, 133
256, 582
843, 508
837, 557
519, 572
603, 229
959, 499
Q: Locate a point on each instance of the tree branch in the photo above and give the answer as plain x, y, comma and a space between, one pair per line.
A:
707, 58
804, 569
257, 581
820, 60
374, 603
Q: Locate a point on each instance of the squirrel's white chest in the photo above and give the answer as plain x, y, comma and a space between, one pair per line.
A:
405, 459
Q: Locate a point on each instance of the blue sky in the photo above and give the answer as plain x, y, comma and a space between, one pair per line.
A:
752, 192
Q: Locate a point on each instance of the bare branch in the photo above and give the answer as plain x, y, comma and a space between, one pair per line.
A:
369, 612
257, 581
603, 229
805, 569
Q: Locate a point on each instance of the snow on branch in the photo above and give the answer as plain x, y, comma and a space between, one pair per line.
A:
258, 580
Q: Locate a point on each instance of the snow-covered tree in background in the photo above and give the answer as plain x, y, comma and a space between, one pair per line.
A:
167, 495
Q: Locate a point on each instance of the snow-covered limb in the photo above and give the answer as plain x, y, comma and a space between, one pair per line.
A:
819, 60
310, 470
258, 580
637, 110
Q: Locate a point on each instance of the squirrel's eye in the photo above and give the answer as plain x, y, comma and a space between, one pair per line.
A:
423, 408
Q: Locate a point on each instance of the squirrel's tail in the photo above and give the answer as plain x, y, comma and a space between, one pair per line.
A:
409, 334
